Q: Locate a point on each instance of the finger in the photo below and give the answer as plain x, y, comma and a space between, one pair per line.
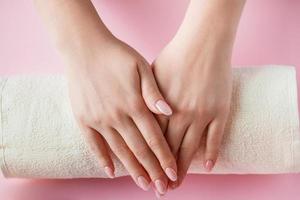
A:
97, 146
214, 138
175, 133
143, 153
150, 92
188, 148
121, 150
154, 137
163, 122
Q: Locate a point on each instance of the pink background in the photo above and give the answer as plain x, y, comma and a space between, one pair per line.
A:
269, 33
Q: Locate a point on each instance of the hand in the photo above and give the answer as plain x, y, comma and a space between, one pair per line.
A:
197, 84
110, 87
111, 90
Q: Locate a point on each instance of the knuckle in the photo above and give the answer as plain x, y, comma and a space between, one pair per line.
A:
137, 106
116, 115
205, 111
184, 115
203, 115
96, 119
188, 111
155, 144
120, 149
188, 149
221, 105
81, 119
113, 116
142, 152
169, 161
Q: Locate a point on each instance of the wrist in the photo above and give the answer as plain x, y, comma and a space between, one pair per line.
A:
206, 50
209, 26
80, 41
77, 50
212, 36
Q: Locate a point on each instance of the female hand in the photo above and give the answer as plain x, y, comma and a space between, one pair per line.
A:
110, 87
111, 90
197, 84
194, 74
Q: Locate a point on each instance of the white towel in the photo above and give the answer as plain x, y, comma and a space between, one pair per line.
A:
40, 138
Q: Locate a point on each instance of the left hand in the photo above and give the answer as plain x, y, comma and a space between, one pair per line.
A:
197, 84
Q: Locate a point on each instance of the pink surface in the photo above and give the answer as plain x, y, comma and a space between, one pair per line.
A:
269, 33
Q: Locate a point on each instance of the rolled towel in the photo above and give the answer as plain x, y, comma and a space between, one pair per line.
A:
40, 137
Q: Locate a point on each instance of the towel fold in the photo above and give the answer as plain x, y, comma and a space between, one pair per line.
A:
39, 137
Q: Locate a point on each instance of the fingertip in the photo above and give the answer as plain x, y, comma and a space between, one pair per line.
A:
213, 144
210, 158
211, 155
143, 183
163, 107
109, 172
171, 174
160, 186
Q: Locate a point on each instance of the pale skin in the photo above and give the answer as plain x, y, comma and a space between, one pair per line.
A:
152, 119
194, 74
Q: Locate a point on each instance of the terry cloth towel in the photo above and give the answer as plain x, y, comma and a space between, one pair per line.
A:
40, 137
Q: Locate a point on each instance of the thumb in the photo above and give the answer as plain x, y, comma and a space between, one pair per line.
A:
151, 94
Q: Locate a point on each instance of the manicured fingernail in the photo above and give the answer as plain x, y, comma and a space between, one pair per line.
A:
171, 174
160, 186
109, 172
209, 165
163, 107
143, 183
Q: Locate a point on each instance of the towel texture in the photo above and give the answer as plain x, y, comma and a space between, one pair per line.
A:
40, 137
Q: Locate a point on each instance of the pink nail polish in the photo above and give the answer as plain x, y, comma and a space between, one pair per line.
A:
143, 183
163, 107
160, 186
109, 172
171, 174
209, 165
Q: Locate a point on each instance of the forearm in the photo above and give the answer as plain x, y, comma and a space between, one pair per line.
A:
72, 23
210, 21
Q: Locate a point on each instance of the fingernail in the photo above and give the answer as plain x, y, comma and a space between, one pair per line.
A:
109, 172
171, 174
160, 186
143, 183
163, 107
209, 165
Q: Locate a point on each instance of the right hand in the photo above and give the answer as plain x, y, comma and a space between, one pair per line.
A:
113, 91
